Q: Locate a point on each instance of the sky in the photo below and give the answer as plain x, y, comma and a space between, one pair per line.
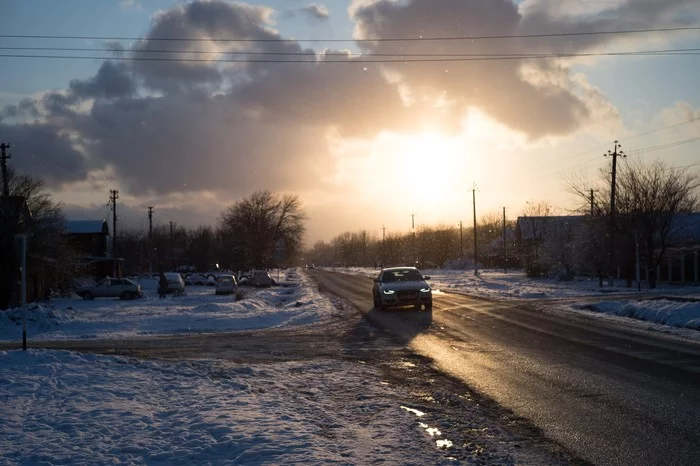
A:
367, 142
65, 406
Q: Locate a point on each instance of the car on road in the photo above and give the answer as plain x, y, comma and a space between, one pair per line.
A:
226, 284
122, 288
402, 286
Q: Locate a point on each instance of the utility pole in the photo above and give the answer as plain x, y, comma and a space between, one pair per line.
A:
611, 243
461, 243
505, 256
3, 157
113, 196
593, 202
150, 239
476, 266
383, 245
413, 235
171, 244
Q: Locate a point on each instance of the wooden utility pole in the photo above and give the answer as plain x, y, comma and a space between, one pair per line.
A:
461, 243
113, 196
611, 233
505, 256
150, 239
171, 245
3, 159
593, 202
476, 266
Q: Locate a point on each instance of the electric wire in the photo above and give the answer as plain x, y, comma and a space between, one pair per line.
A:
379, 39
683, 52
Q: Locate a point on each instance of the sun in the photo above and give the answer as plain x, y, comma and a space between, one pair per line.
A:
430, 163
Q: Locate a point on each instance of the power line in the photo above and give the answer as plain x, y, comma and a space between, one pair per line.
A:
682, 52
623, 139
380, 39
669, 145
312, 58
661, 129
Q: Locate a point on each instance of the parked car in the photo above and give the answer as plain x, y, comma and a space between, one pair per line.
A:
175, 283
226, 284
195, 279
122, 288
402, 286
260, 278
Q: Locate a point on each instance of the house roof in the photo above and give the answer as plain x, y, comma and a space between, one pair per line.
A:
542, 226
686, 229
87, 227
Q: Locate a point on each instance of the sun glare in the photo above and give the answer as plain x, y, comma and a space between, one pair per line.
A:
430, 163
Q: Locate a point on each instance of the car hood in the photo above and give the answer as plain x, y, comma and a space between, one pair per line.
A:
398, 286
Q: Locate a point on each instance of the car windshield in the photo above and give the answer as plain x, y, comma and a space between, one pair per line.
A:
400, 276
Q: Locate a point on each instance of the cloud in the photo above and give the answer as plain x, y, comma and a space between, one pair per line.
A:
111, 81
319, 12
165, 127
44, 150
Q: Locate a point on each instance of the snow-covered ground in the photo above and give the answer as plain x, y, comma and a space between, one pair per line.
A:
62, 407
675, 307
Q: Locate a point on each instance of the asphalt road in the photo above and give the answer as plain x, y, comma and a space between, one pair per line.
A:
609, 393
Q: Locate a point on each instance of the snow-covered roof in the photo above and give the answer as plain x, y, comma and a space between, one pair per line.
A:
531, 227
686, 229
87, 227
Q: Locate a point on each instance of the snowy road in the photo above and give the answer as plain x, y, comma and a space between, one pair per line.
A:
613, 394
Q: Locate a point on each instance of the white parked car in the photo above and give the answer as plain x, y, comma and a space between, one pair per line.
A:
226, 284
122, 288
175, 283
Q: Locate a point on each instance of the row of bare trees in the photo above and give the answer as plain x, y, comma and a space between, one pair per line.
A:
427, 246
263, 230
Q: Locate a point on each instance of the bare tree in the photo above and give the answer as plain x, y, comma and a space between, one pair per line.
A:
256, 227
651, 197
533, 229
50, 254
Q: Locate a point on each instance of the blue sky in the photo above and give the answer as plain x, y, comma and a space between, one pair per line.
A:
326, 132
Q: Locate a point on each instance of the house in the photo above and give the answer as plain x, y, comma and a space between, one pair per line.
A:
91, 238
579, 244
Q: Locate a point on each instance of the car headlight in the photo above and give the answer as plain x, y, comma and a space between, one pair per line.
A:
425, 290
388, 291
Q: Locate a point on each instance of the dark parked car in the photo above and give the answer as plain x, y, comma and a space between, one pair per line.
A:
402, 286
260, 278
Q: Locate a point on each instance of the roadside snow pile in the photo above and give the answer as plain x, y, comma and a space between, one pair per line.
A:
42, 317
63, 407
199, 311
661, 311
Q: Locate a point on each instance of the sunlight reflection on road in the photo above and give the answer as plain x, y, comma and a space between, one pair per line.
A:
432, 431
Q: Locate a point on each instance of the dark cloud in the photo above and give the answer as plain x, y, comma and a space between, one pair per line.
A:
111, 81
184, 126
545, 101
202, 21
42, 150
25, 109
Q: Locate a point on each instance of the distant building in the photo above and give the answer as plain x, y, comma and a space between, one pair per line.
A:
547, 243
91, 239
